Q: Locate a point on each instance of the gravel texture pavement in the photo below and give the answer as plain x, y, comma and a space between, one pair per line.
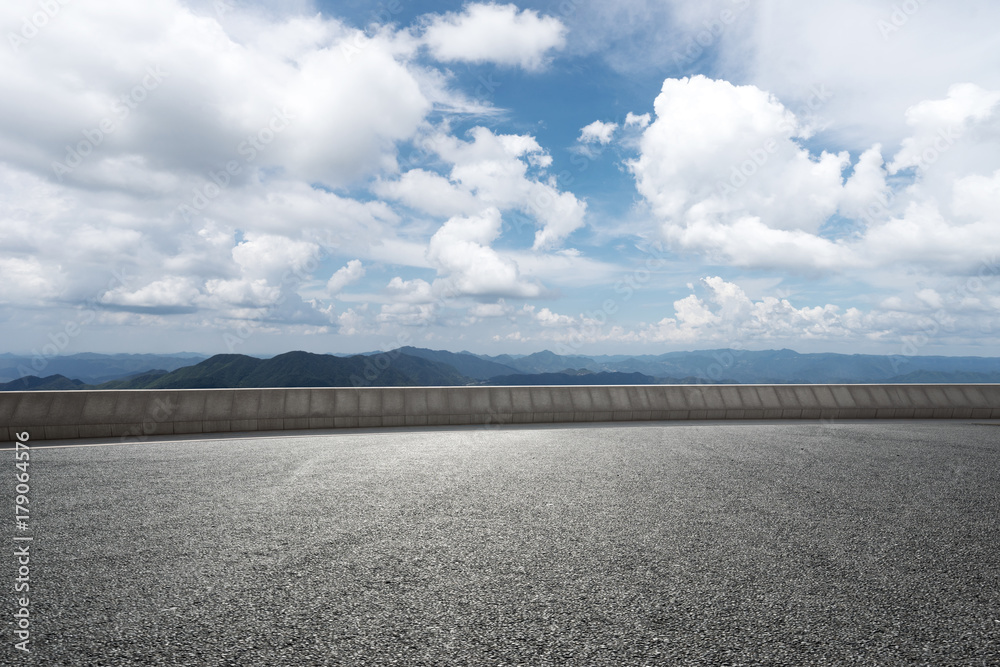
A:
642, 544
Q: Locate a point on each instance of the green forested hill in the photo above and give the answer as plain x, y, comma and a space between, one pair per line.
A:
292, 369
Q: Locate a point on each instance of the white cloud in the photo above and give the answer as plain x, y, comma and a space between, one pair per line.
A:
353, 322
151, 227
866, 187
549, 319
718, 151
495, 33
404, 252
930, 297
487, 310
352, 272
977, 196
923, 237
242, 293
722, 168
460, 250
721, 313
939, 124
748, 242
189, 96
598, 132
491, 166
632, 120
429, 192
506, 171
410, 291
789, 49
726, 315
188, 131
27, 281
168, 293
725, 171
274, 257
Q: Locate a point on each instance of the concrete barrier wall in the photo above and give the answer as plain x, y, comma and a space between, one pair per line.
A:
133, 414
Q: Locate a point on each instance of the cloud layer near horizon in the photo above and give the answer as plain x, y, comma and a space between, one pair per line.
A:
301, 175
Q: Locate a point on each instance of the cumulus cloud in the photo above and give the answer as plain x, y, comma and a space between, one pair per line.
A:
728, 313
505, 171
410, 291
977, 196
412, 303
885, 72
271, 256
598, 132
264, 273
547, 318
429, 192
218, 159
495, 168
494, 33
720, 312
634, 120
354, 322
462, 254
191, 96
718, 151
242, 293
938, 124
725, 170
172, 294
923, 236
203, 158
204, 167
352, 272
145, 157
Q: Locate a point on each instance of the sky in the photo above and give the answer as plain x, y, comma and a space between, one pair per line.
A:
637, 177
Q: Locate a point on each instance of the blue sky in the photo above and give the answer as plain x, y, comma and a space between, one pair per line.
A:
587, 177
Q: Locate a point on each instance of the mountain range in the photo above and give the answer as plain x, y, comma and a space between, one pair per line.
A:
89, 367
412, 366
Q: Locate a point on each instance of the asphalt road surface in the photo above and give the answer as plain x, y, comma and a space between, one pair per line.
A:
659, 544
